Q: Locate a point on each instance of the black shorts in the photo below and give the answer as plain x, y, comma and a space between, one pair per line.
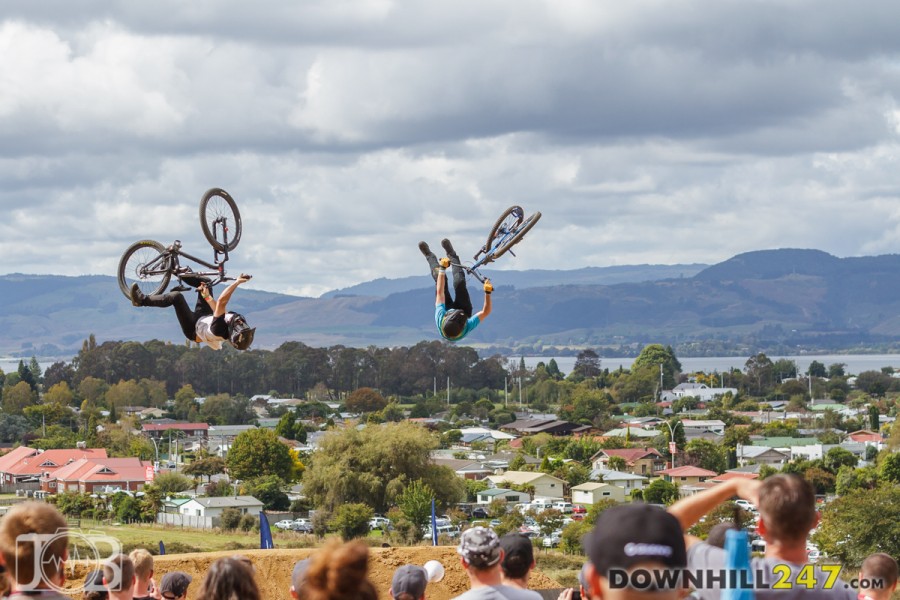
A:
219, 327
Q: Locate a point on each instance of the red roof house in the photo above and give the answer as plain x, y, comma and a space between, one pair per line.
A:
686, 475
88, 475
28, 464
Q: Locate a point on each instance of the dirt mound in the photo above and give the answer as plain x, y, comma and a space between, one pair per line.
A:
273, 570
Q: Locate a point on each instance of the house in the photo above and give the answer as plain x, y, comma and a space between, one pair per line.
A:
227, 433
87, 475
213, 507
511, 496
152, 413
629, 432
467, 469
867, 437
715, 426
591, 492
640, 461
627, 481
763, 455
555, 428
159, 430
701, 391
24, 464
818, 451
686, 475
729, 475
173, 505
544, 485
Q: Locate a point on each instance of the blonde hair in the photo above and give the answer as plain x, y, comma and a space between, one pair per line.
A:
340, 572
33, 518
229, 579
143, 563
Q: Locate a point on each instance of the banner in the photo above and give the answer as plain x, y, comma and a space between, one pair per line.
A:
265, 534
434, 533
162, 548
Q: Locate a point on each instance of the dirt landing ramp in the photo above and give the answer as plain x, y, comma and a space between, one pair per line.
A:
273, 570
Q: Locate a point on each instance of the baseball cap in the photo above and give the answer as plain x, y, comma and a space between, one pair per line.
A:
630, 534
175, 583
409, 579
480, 547
94, 582
298, 575
518, 554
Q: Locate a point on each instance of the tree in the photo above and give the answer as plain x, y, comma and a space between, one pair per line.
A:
257, 452
352, 520
817, 369
59, 393
654, 355
373, 466
172, 483
268, 489
415, 502
661, 491
759, 370
17, 398
889, 468
860, 523
230, 519
205, 467
364, 400
616, 463
13, 428
587, 365
840, 457
836, 370
287, 426
706, 455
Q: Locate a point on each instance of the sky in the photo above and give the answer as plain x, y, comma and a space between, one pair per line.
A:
646, 131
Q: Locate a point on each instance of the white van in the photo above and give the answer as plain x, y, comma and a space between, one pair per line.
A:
563, 507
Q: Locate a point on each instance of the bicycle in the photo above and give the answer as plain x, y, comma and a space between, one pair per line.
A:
152, 265
508, 231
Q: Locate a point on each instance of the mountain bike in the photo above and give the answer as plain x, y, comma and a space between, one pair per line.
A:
152, 265
508, 231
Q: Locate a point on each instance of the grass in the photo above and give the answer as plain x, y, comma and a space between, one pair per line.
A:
563, 568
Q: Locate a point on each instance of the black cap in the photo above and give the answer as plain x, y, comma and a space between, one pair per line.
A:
409, 579
518, 555
631, 534
175, 583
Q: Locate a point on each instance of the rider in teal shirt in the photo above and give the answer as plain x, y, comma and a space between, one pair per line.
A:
453, 317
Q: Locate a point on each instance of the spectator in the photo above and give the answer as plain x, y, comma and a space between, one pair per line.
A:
174, 585
633, 537
118, 577
787, 514
144, 586
4, 582
409, 583
298, 579
481, 555
93, 586
340, 572
716, 536
227, 579
879, 571
34, 567
518, 560
582, 591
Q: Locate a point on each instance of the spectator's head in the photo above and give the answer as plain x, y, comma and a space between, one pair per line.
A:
409, 583
630, 537
28, 569
174, 585
518, 556
716, 535
787, 509
229, 578
298, 579
93, 586
118, 575
880, 571
143, 564
340, 571
480, 549
583, 586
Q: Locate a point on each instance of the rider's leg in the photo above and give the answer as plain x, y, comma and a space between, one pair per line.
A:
460, 291
185, 315
431, 258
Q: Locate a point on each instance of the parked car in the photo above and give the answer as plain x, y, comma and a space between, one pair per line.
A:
302, 525
379, 522
479, 513
553, 540
284, 524
495, 522
579, 509
745, 504
563, 507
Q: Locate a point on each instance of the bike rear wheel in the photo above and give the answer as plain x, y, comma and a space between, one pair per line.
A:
145, 264
507, 221
219, 216
518, 234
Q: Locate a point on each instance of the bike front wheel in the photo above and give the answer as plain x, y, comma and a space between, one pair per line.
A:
220, 220
146, 264
517, 234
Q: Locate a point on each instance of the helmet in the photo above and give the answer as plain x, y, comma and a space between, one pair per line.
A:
454, 322
239, 333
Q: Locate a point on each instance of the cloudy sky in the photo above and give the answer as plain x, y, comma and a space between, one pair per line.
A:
646, 131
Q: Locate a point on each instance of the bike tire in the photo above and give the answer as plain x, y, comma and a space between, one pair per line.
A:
134, 258
503, 222
522, 229
216, 203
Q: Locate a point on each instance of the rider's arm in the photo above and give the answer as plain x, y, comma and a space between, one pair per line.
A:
439, 288
206, 295
222, 302
486, 310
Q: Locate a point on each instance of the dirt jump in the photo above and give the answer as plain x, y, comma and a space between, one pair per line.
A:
273, 570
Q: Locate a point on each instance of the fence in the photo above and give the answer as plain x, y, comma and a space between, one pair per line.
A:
20, 488
193, 521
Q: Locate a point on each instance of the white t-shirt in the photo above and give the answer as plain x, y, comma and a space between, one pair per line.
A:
205, 334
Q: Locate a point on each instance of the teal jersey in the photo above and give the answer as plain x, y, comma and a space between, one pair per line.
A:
471, 323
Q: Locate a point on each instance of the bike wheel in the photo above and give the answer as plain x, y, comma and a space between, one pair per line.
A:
219, 216
518, 234
508, 221
145, 264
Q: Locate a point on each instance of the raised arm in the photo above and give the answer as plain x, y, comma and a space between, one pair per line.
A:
691, 509
222, 302
486, 310
441, 285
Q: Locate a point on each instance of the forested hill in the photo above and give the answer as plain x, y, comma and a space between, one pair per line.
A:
767, 299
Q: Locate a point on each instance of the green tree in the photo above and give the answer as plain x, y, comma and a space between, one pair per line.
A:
616, 463
205, 467
185, 406
365, 400
415, 502
817, 369
17, 398
59, 393
661, 491
287, 426
889, 468
230, 519
172, 483
374, 465
861, 523
706, 455
587, 365
654, 355
839, 457
352, 520
257, 452
268, 489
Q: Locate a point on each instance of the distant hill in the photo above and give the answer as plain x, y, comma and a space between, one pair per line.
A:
773, 299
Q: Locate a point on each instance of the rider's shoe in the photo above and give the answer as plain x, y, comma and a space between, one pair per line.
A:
448, 248
180, 288
194, 280
137, 296
423, 247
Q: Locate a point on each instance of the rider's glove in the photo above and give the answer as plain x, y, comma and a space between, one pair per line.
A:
445, 262
488, 287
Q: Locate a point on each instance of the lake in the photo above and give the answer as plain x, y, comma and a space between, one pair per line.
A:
854, 363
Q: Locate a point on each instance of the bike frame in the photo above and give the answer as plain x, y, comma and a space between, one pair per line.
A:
488, 255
